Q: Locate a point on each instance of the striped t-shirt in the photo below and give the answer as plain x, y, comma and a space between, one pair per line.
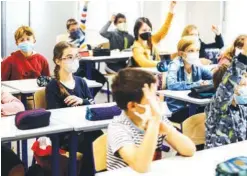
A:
123, 131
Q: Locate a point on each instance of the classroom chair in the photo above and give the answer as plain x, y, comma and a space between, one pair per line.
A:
62, 37
99, 153
205, 61
39, 99
105, 45
194, 128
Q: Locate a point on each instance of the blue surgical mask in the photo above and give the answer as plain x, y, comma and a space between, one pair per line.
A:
76, 34
241, 99
26, 46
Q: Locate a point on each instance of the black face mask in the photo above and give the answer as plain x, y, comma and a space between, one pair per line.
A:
242, 58
145, 35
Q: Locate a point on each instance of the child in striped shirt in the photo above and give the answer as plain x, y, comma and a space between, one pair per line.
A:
135, 137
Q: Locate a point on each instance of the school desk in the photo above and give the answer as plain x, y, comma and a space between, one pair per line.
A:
182, 95
203, 163
115, 56
28, 87
9, 132
9, 90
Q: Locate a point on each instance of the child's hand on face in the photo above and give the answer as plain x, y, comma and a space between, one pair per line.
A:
150, 95
73, 100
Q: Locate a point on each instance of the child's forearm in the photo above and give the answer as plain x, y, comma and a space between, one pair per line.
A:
181, 143
145, 152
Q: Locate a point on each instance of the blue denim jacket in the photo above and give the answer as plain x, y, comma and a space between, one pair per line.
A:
177, 80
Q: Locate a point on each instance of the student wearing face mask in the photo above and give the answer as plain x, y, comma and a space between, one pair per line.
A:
145, 52
239, 49
184, 73
119, 39
76, 36
24, 63
76, 31
192, 30
67, 90
135, 137
226, 120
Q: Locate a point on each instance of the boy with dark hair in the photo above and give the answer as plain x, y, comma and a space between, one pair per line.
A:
135, 137
119, 39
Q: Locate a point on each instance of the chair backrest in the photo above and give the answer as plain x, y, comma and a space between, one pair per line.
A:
194, 128
62, 37
164, 75
99, 153
39, 99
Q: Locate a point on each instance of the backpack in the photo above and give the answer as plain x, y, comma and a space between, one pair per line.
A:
233, 167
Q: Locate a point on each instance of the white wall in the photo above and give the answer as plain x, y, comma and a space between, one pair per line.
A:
19, 18
48, 19
204, 14
235, 20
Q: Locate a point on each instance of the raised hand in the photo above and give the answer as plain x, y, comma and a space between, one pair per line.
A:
172, 6
215, 29
113, 18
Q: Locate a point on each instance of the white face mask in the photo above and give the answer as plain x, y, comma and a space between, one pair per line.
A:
146, 115
72, 65
122, 27
193, 59
238, 51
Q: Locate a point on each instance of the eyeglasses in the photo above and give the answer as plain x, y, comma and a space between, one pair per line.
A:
77, 56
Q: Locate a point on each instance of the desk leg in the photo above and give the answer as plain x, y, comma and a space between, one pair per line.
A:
192, 109
73, 149
8, 144
18, 148
55, 155
89, 70
24, 100
24, 153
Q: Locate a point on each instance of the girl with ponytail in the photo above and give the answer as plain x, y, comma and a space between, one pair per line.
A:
66, 90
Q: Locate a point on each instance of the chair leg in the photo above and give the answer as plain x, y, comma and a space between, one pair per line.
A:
108, 91
34, 161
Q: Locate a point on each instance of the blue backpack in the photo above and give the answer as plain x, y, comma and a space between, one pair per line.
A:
233, 167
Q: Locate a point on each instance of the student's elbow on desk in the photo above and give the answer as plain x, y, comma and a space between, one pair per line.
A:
187, 150
140, 167
134, 160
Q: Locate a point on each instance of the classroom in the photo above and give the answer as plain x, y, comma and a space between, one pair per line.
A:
123, 87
